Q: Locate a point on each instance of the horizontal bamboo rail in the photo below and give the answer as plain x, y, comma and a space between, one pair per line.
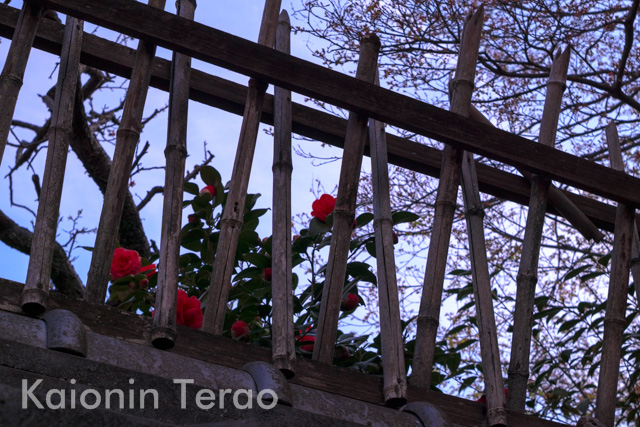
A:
315, 124
243, 56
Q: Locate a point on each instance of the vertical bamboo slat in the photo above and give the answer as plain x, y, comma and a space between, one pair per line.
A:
231, 222
614, 320
445, 206
117, 186
284, 350
557, 198
635, 263
344, 211
15, 65
528, 270
163, 329
393, 366
36, 290
489, 350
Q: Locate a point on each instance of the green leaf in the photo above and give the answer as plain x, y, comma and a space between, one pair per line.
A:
455, 330
460, 272
574, 272
583, 406
360, 270
370, 246
316, 227
191, 188
364, 219
259, 260
250, 201
210, 176
254, 214
590, 276
568, 325
403, 216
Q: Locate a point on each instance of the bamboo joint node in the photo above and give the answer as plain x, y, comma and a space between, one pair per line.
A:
180, 149
475, 211
12, 77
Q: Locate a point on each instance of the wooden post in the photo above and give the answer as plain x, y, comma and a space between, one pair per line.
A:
163, 329
614, 320
445, 206
284, 350
36, 290
231, 222
15, 65
528, 270
344, 211
393, 366
117, 186
557, 198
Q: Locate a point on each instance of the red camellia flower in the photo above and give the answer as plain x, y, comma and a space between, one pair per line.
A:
209, 189
323, 207
349, 303
188, 311
266, 274
125, 262
342, 353
239, 330
307, 347
193, 218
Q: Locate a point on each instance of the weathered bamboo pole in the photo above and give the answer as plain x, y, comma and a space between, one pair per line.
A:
15, 65
344, 211
231, 222
528, 269
635, 263
557, 198
163, 329
36, 289
489, 350
445, 206
393, 366
284, 350
117, 186
614, 320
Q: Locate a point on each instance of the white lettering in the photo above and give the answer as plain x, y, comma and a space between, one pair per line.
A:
28, 394
153, 393
236, 402
210, 397
273, 399
222, 393
60, 394
83, 399
107, 398
183, 391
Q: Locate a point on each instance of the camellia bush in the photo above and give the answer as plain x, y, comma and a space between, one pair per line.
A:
250, 310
